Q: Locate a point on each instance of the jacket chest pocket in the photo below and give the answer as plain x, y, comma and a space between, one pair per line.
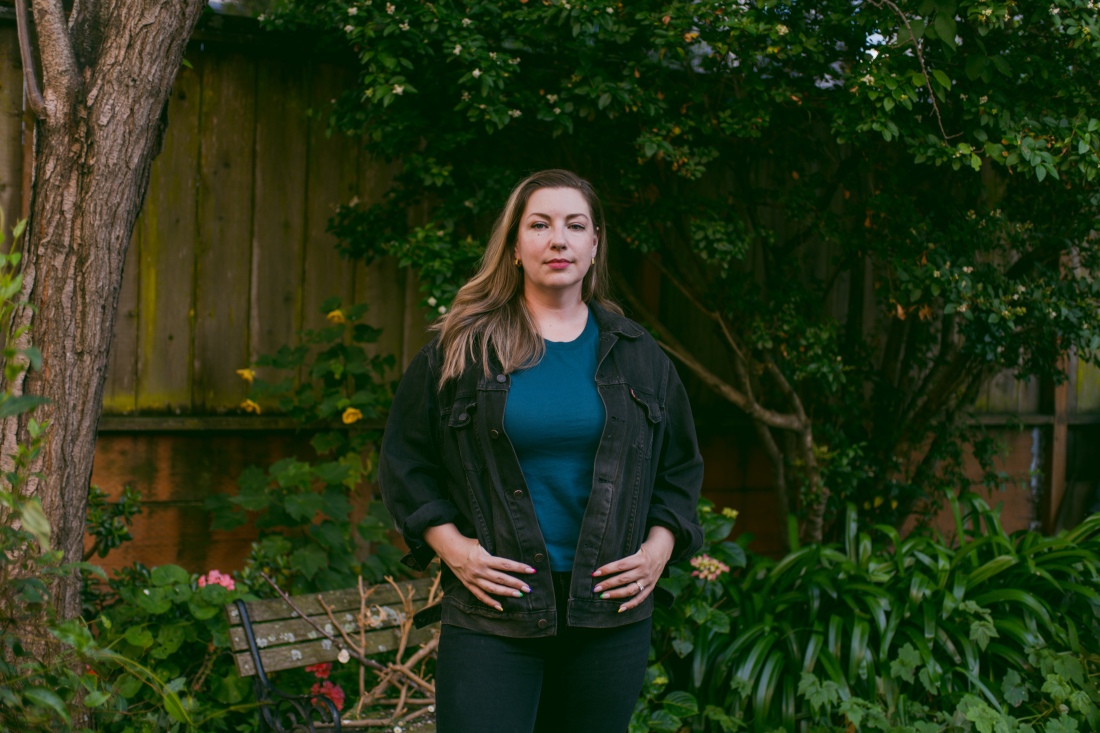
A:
462, 433
650, 417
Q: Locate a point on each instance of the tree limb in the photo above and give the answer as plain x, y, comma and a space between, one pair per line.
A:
750, 407
59, 70
26, 56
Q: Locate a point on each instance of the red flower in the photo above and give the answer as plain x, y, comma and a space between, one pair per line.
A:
329, 690
321, 670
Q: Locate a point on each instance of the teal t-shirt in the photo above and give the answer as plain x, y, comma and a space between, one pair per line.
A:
554, 418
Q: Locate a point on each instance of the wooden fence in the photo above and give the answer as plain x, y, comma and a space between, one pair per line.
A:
230, 259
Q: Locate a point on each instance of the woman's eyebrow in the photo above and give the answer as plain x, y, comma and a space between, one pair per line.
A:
567, 216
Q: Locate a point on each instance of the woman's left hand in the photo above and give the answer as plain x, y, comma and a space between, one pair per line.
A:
634, 576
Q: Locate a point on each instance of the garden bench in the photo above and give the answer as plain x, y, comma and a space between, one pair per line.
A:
337, 626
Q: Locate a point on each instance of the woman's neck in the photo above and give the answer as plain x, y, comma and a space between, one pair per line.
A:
558, 320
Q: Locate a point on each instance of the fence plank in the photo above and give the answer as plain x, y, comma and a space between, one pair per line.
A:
279, 229
11, 129
225, 229
332, 180
167, 232
381, 284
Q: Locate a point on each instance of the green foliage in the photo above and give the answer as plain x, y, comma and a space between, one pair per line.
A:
170, 666
879, 207
1001, 633
316, 531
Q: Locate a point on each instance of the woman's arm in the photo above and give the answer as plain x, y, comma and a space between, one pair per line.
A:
411, 475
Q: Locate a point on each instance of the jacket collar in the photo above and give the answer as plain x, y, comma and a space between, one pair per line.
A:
614, 323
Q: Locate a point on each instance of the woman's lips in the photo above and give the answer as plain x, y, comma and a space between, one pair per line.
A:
559, 264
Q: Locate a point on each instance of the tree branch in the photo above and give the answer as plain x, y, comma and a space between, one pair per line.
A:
59, 70
26, 56
669, 343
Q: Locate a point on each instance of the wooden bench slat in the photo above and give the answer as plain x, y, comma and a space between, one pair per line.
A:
289, 656
341, 601
293, 630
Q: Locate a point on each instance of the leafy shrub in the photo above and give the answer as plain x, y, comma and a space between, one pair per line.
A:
310, 539
884, 633
171, 666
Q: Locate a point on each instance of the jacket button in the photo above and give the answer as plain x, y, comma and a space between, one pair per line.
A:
518, 494
538, 557
543, 623
501, 378
464, 417
494, 433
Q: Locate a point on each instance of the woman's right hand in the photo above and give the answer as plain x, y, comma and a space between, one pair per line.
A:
483, 574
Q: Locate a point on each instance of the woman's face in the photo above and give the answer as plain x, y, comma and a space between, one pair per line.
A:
556, 242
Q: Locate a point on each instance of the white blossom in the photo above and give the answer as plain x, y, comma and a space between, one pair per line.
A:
353, 10
442, 310
782, 29
404, 26
398, 89
390, 8
432, 301
466, 22
349, 29
458, 49
475, 73
514, 113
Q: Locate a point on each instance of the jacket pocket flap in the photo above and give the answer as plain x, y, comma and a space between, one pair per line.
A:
648, 402
462, 414
428, 615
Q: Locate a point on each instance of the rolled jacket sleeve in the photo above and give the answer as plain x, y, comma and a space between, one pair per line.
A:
679, 476
411, 474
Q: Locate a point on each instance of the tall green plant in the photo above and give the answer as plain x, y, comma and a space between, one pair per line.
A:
889, 633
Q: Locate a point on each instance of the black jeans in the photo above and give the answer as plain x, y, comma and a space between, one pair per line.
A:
582, 680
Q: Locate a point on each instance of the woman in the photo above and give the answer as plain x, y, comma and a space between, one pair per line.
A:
543, 447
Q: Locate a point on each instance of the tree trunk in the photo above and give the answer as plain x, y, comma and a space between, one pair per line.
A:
107, 72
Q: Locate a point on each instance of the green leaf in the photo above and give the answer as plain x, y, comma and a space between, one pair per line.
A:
11, 406
681, 704
1015, 690
48, 699
941, 78
35, 521
309, 560
175, 708
946, 28
96, 698
1064, 724
170, 575
139, 636
303, 507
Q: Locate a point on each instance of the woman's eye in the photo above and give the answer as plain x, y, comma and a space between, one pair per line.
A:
538, 225
577, 227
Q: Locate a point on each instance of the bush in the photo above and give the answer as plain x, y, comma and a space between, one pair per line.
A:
883, 633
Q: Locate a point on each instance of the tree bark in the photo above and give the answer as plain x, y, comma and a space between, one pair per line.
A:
107, 72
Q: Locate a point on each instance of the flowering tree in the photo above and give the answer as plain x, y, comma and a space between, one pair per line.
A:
872, 207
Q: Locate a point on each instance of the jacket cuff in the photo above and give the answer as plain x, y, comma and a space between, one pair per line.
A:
688, 534
432, 514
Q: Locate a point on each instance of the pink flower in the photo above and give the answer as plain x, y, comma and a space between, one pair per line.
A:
329, 690
321, 671
216, 578
707, 568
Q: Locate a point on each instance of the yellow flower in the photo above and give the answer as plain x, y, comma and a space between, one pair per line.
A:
247, 374
250, 406
878, 501
730, 513
336, 316
351, 415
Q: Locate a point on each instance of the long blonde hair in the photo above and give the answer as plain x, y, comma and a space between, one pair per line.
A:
489, 313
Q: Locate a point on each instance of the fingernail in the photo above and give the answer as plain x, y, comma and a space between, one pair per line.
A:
597, 589
622, 608
530, 570
501, 608
596, 574
605, 596
518, 594
526, 589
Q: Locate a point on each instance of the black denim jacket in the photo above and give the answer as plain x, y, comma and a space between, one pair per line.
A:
445, 458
